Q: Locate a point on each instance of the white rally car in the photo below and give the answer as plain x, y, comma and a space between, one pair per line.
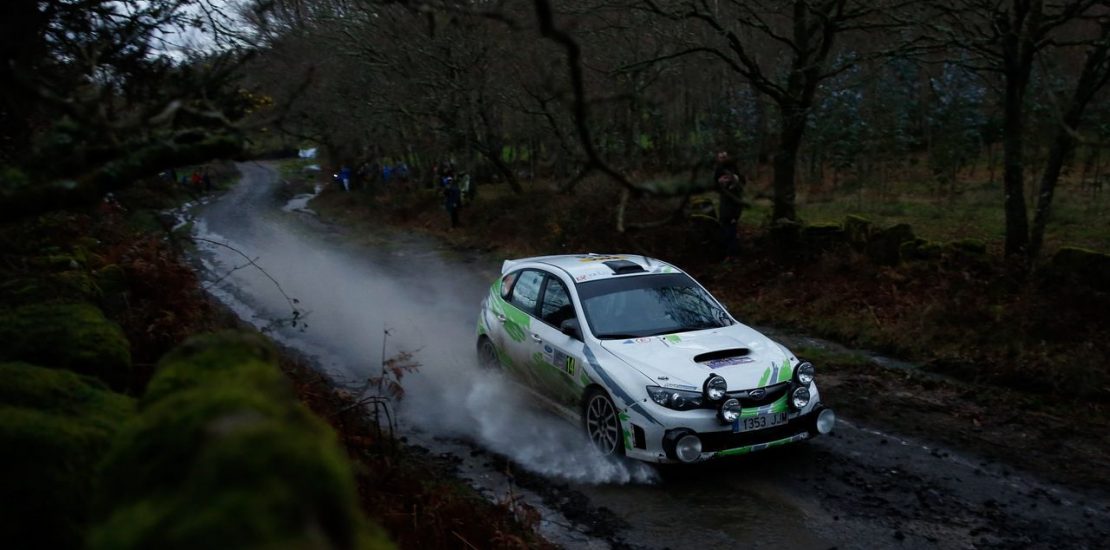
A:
651, 364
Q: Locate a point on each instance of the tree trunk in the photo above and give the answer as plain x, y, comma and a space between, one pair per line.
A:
786, 163
1092, 78
1017, 220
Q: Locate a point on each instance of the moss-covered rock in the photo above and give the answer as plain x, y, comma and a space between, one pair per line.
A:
968, 246
857, 231
55, 427
222, 454
785, 233
65, 286
884, 247
920, 250
223, 359
822, 236
1081, 265
71, 336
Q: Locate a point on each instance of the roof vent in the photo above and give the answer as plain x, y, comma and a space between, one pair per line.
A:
624, 267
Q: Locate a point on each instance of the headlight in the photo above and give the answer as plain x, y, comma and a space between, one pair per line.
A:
800, 398
730, 411
715, 388
679, 400
804, 373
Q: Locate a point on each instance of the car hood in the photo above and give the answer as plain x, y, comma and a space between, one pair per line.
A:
670, 359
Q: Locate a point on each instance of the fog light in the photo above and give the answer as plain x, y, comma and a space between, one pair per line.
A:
730, 411
715, 388
688, 448
800, 398
825, 421
804, 373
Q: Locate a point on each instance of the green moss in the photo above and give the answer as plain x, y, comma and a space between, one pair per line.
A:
224, 455
919, 249
858, 231
968, 246
55, 427
884, 247
71, 336
223, 359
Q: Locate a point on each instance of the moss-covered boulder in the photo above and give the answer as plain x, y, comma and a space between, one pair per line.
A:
55, 427
920, 250
64, 286
823, 236
223, 359
857, 231
71, 336
223, 455
973, 247
884, 247
1083, 266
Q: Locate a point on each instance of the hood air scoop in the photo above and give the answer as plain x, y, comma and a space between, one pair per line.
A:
721, 354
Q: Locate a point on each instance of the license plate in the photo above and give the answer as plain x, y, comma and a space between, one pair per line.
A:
763, 421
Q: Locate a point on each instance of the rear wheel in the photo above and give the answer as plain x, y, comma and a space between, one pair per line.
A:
487, 354
602, 423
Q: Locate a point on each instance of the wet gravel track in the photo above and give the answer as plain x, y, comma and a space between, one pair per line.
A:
858, 488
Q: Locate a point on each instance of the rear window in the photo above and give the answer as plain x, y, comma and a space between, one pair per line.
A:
526, 291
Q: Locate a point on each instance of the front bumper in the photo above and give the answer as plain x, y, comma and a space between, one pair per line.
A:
658, 445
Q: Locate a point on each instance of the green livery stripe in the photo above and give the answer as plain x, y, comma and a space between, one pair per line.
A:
776, 407
624, 427
516, 321
762, 446
766, 376
785, 372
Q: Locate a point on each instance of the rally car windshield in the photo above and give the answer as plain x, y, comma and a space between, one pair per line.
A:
649, 305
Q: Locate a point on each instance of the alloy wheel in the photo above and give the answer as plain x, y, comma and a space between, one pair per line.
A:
602, 425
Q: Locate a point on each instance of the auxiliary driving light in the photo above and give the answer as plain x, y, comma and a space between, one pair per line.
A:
804, 373
688, 448
800, 398
715, 388
826, 419
730, 411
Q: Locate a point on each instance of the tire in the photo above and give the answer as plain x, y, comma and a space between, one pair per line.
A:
602, 423
487, 354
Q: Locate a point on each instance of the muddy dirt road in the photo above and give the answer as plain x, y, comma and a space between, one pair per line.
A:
859, 488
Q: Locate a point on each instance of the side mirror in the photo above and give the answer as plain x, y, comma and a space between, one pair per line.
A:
571, 328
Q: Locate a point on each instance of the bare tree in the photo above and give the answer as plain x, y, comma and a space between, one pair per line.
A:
804, 33
1007, 37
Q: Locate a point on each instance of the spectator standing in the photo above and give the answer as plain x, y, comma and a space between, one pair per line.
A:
730, 187
345, 177
452, 199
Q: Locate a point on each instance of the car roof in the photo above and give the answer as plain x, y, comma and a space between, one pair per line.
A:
589, 267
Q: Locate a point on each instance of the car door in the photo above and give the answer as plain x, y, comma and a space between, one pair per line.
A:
517, 318
557, 359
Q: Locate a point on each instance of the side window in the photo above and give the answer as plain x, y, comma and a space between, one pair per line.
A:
507, 284
556, 306
526, 291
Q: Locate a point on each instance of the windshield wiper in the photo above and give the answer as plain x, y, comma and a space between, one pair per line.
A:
617, 336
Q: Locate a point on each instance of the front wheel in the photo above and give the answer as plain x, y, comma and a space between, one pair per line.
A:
487, 354
602, 423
